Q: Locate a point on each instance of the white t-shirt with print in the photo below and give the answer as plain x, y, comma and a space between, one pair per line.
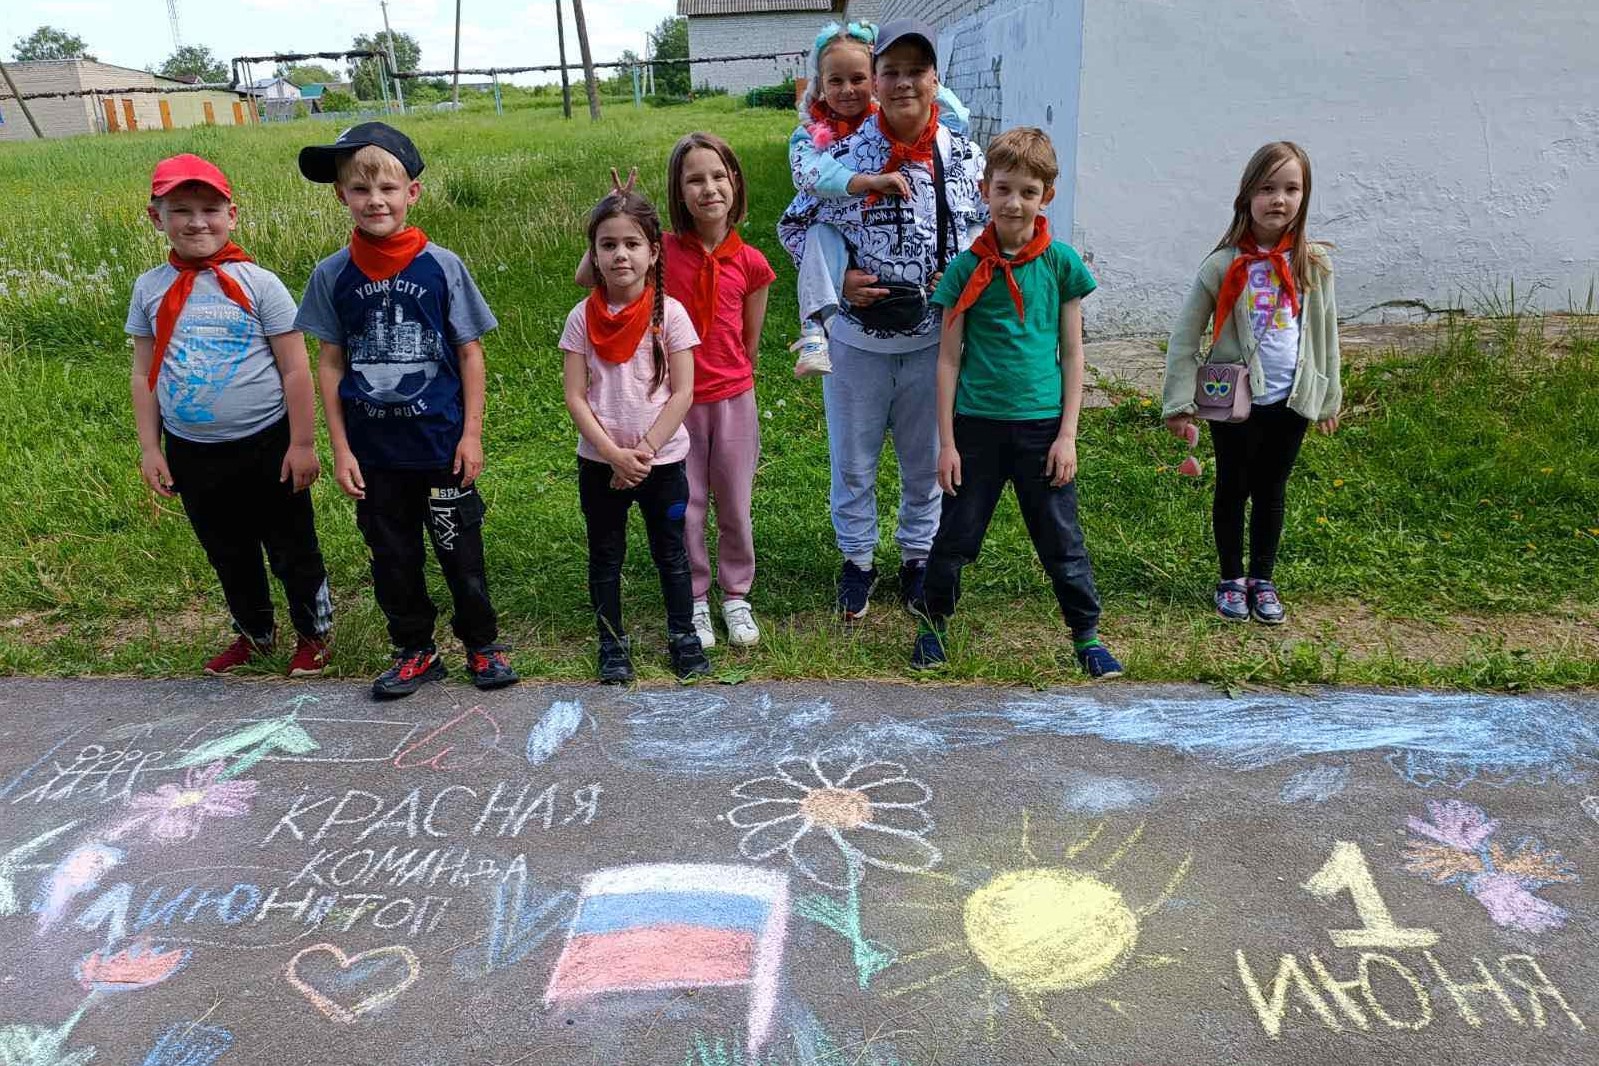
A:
1274, 325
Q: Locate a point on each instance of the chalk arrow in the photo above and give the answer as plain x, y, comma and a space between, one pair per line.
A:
252, 744
11, 864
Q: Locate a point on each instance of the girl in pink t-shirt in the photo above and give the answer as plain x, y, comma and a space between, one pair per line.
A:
723, 283
629, 380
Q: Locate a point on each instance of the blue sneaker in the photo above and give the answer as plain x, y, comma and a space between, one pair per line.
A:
855, 591
928, 654
1098, 663
1265, 606
912, 582
1232, 603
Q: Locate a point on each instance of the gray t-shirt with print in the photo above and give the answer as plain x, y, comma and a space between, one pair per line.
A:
219, 380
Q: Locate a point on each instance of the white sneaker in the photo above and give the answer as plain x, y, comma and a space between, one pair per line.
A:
742, 631
812, 350
702, 624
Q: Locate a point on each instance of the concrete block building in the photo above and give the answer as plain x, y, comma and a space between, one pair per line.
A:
99, 109
749, 27
1455, 143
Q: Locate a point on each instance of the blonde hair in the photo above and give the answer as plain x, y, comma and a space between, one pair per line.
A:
1025, 149
1303, 253
369, 163
861, 33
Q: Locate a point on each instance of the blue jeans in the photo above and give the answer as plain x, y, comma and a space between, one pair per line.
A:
867, 395
821, 273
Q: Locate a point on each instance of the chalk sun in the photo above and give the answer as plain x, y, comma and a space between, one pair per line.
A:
1038, 933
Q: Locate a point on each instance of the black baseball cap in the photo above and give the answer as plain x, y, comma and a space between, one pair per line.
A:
320, 162
896, 31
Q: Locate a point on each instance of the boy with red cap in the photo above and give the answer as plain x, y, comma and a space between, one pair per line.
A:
401, 370
220, 371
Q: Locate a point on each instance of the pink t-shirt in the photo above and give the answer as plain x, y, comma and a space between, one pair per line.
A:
619, 393
722, 370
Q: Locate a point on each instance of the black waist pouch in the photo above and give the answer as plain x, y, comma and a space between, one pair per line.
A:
901, 311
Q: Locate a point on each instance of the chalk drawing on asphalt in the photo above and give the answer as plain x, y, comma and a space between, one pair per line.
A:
467, 737
173, 814
554, 728
189, 1044
665, 926
522, 918
139, 965
42, 1045
1090, 793
1591, 805
79, 871
386, 971
1052, 928
1315, 784
1346, 870
1455, 845
283, 735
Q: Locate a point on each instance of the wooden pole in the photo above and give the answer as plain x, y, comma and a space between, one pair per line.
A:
457, 90
27, 114
560, 42
588, 61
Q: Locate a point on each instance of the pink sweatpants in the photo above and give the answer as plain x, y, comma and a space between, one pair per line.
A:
724, 446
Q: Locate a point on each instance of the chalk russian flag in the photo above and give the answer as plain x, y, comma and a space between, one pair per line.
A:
677, 925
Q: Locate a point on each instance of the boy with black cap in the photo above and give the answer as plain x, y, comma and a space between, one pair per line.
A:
219, 370
401, 372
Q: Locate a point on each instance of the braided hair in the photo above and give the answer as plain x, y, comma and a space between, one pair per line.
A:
625, 203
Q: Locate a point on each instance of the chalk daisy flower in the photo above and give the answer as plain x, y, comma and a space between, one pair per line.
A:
835, 814
171, 814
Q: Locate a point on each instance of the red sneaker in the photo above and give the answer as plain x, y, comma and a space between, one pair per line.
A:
243, 650
310, 656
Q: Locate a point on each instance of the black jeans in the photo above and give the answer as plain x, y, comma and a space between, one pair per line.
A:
994, 452
237, 506
1253, 460
399, 504
662, 498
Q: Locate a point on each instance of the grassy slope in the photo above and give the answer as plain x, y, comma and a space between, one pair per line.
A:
1449, 492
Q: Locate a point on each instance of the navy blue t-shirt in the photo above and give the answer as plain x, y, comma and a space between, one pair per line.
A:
401, 392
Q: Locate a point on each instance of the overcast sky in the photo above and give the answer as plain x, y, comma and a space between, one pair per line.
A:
136, 33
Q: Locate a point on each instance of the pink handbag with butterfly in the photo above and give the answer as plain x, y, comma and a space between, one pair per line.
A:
1222, 392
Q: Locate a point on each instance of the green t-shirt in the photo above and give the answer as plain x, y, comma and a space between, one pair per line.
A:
1011, 369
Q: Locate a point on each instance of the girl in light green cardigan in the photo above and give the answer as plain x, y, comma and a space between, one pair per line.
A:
1269, 292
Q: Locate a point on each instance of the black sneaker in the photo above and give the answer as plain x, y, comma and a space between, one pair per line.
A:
912, 581
688, 656
855, 591
489, 668
616, 661
1098, 663
929, 651
411, 670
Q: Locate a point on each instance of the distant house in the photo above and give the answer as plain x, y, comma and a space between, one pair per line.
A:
752, 27
277, 96
95, 107
313, 93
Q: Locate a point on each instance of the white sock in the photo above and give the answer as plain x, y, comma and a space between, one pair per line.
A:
862, 560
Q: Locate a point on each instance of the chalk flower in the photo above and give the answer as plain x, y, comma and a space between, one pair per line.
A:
1455, 847
172, 814
135, 967
835, 814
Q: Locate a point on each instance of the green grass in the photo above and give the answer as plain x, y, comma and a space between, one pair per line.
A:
1465, 481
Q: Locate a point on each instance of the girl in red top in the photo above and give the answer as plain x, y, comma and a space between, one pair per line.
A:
723, 283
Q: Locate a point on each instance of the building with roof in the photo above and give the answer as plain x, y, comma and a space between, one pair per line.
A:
92, 104
746, 27
1450, 155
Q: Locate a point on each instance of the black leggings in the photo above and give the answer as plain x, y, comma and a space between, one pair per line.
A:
1253, 460
662, 497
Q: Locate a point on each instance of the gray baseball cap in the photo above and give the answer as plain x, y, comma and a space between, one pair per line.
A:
896, 31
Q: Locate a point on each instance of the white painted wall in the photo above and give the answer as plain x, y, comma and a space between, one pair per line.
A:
737, 35
1455, 143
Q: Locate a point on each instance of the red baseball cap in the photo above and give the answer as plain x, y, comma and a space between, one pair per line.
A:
181, 169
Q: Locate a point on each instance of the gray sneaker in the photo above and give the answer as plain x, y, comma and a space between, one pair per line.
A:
1265, 606
1232, 602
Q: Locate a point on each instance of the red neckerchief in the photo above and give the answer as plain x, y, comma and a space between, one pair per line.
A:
990, 259
1236, 279
615, 335
177, 294
823, 115
380, 258
900, 152
702, 303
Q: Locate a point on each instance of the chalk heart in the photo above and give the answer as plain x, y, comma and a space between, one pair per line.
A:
434, 749
402, 956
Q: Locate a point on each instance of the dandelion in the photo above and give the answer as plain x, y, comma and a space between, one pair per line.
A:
1531, 546
768, 412
782, 403
1547, 470
62, 300
1594, 531
501, 268
1321, 520
1338, 482
1146, 402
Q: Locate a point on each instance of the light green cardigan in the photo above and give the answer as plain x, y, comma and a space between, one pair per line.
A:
1318, 387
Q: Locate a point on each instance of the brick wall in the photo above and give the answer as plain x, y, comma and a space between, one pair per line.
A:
724, 35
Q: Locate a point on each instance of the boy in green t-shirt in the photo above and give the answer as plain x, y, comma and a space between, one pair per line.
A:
1010, 386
